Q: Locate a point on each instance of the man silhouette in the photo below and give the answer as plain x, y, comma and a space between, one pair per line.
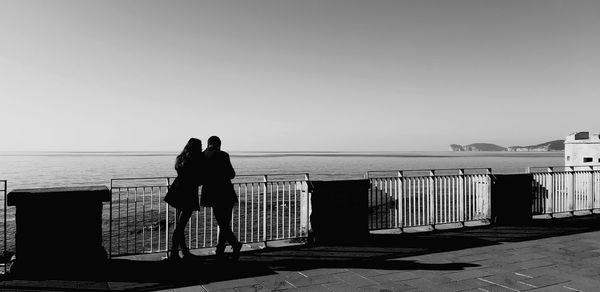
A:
218, 193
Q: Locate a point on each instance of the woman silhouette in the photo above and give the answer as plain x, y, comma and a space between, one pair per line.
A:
183, 193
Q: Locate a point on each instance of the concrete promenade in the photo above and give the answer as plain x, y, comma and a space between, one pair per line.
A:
546, 255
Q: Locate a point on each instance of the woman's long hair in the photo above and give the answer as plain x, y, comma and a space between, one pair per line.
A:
191, 150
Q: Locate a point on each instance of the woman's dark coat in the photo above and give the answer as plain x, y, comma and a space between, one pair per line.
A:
183, 193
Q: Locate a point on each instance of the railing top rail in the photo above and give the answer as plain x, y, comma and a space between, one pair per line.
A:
121, 182
432, 171
271, 174
565, 168
268, 177
140, 178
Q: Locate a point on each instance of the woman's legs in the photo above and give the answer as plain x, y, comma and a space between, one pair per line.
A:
183, 216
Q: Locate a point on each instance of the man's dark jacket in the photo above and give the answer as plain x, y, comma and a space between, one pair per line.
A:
217, 189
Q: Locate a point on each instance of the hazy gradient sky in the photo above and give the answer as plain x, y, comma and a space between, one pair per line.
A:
296, 75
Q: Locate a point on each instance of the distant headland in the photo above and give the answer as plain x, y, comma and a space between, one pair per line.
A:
556, 145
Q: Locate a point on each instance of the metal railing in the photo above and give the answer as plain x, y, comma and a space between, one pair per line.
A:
8, 227
270, 207
562, 189
428, 197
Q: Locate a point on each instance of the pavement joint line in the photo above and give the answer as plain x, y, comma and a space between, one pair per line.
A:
523, 275
291, 284
305, 276
493, 283
362, 276
527, 284
573, 289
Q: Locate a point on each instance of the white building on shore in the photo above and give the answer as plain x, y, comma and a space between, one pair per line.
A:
582, 149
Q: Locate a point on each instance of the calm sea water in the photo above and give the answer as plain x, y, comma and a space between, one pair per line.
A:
50, 169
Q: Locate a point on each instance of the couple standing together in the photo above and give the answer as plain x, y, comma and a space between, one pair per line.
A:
212, 169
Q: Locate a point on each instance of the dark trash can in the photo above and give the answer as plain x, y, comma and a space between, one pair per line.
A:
58, 230
511, 199
340, 212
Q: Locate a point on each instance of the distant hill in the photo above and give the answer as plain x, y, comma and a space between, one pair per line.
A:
477, 147
556, 145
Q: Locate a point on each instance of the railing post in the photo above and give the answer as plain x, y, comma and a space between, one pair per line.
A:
305, 207
400, 200
5, 226
461, 194
432, 198
110, 219
550, 188
265, 210
571, 190
166, 218
596, 190
488, 195
590, 190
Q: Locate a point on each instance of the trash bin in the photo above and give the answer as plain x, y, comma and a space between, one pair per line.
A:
340, 211
58, 230
511, 199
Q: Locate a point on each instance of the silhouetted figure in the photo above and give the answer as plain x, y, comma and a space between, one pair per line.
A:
218, 193
183, 193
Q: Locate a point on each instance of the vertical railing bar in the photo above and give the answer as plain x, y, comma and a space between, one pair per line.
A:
265, 209
277, 210
127, 221
135, 242
431, 198
395, 181
289, 209
252, 214
119, 225
308, 202
400, 198
414, 201
295, 209
271, 210
246, 213
420, 199
152, 219
159, 216
144, 219
110, 218
204, 227
411, 200
391, 203
166, 224
386, 192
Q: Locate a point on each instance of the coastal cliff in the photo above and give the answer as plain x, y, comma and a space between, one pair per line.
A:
556, 145
477, 147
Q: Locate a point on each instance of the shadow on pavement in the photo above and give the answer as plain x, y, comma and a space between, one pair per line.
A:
381, 251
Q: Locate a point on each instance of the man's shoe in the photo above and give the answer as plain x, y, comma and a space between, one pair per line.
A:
236, 251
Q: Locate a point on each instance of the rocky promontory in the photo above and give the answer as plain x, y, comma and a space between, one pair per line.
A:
556, 145
477, 147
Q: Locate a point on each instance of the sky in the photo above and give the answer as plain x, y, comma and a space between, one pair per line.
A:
311, 75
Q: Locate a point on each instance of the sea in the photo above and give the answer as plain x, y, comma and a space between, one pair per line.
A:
58, 169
